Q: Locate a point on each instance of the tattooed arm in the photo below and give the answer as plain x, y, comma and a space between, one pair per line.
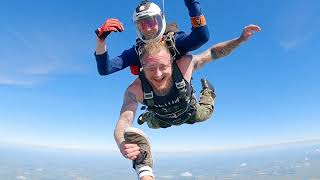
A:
127, 113
128, 110
224, 48
216, 51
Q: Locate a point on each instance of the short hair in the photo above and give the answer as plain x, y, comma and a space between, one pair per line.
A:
153, 48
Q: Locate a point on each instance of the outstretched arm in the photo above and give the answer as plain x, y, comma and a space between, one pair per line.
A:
224, 48
128, 110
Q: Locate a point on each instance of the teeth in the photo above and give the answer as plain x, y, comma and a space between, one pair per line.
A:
159, 79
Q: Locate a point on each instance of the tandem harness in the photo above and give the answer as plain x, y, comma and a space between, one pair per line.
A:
178, 110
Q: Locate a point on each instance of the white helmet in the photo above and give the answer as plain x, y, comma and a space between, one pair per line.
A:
149, 22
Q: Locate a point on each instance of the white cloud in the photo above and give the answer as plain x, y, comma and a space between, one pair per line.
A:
167, 177
233, 148
186, 174
82, 178
76, 148
21, 177
295, 42
290, 44
307, 164
40, 69
243, 165
37, 60
39, 169
16, 82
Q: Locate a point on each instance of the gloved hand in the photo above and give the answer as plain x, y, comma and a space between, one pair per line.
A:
111, 25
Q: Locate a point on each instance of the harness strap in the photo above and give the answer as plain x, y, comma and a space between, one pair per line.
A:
147, 90
139, 46
171, 44
179, 81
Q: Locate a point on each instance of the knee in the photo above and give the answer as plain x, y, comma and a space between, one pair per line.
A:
205, 114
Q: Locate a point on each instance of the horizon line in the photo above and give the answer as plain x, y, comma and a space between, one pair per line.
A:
102, 150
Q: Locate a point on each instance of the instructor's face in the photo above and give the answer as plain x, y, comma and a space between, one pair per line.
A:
148, 27
158, 69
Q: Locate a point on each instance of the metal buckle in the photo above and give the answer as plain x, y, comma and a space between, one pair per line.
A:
181, 84
148, 95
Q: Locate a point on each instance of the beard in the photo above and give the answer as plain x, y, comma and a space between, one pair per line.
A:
162, 86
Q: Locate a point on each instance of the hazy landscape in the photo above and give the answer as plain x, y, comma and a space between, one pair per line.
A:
286, 161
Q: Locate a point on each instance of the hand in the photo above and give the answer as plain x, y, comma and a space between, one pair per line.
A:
111, 25
248, 31
129, 151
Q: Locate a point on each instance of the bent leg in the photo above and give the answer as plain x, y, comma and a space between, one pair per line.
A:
205, 107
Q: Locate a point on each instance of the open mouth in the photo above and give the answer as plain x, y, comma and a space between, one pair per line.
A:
159, 80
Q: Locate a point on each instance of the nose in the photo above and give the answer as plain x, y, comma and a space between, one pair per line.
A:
158, 72
147, 26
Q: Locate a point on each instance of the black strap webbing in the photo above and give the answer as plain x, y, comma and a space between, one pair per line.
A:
147, 90
179, 81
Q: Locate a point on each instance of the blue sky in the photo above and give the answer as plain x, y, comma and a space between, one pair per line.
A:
51, 93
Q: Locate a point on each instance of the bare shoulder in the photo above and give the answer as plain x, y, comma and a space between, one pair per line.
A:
131, 98
184, 62
135, 89
185, 65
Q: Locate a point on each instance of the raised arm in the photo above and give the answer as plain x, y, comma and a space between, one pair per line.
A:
224, 48
105, 64
199, 32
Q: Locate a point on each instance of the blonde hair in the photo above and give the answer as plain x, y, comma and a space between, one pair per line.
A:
153, 48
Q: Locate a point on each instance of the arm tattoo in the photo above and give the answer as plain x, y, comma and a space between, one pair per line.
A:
215, 52
130, 99
224, 48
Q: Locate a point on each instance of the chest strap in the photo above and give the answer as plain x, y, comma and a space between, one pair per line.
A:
179, 82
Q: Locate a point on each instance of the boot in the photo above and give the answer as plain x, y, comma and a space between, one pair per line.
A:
207, 85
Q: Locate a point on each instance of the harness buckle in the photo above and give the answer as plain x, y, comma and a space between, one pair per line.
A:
138, 48
181, 84
171, 45
148, 95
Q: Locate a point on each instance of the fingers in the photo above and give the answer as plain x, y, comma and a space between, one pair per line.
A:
119, 26
112, 29
116, 28
110, 25
114, 23
133, 155
250, 29
253, 27
131, 151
